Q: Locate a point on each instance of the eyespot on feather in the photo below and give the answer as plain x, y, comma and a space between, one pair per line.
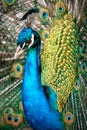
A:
9, 2
45, 34
7, 110
77, 85
84, 67
17, 119
8, 118
81, 47
44, 14
17, 70
60, 8
68, 118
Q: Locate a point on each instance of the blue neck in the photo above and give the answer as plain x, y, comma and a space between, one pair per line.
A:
32, 66
32, 70
36, 107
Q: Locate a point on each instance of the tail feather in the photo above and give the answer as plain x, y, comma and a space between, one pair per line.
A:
10, 26
76, 105
33, 10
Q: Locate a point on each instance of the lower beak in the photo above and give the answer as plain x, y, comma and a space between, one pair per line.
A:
18, 52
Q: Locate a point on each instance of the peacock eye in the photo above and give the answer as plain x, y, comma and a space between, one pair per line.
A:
84, 67
9, 2
9, 117
60, 8
15, 119
7, 110
21, 46
45, 34
18, 68
69, 118
44, 14
76, 85
28, 42
81, 45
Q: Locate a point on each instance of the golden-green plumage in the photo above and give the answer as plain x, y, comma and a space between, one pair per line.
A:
62, 68
60, 57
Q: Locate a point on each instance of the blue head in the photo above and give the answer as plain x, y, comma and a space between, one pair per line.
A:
24, 36
24, 41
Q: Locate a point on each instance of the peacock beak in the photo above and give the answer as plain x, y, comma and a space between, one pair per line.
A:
18, 52
20, 49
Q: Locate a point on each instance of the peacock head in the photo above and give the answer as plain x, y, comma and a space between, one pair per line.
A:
24, 41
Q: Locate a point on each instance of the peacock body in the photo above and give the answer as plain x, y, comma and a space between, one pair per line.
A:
32, 88
62, 26
62, 72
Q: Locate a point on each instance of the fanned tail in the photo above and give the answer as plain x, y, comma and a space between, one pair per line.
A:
42, 17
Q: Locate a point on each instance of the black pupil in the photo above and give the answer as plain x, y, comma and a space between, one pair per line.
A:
60, 8
69, 118
27, 42
76, 83
21, 46
7, 111
44, 14
83, 67
9, 117
81, 45
18, 69
16, 120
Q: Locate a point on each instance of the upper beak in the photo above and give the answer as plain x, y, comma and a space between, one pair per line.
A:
18, 52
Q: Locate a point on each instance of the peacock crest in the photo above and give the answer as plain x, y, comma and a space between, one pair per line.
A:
62, 26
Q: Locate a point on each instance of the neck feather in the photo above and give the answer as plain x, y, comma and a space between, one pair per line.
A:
32, 69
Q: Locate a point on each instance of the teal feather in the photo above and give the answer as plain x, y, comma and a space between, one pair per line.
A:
33, 95
11, 81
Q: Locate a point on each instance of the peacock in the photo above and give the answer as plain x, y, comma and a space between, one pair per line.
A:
45, 87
